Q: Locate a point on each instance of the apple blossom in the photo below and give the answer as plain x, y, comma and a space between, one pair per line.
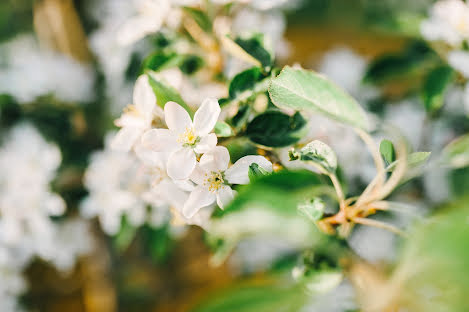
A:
137, 117
213, 179
184, 138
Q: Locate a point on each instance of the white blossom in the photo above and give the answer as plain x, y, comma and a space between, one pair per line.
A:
184, 137
213, 178
448, 22
28, 164
28, 72
137, 117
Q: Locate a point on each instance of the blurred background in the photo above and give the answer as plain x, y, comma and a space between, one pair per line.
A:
61, 72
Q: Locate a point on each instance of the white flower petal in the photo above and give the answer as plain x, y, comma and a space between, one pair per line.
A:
176, 117
224, 196
238, 173
181, 164
206, 143
217, 159
144, 98
160, 140
206, 116
198, 175
200, 197
136, 28
126, 138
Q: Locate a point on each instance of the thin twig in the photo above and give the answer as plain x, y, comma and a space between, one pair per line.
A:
379, 224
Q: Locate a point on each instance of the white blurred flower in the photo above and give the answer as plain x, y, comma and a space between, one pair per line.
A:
184, 138
459, 60
28, 164
213, 179
116, 182
150, 16
449, 22
72, 240
28, 72
137, 117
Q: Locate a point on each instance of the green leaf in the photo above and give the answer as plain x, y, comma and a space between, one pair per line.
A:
301, 89
159, 61
200, 17
313, 209
251, 49
434, 87
456, 153
272, 202
276, 129
243, 81
256, 171
414, 160
165, 93
319, 153
404, 65
223, 130
191, 64
124, 238
435, 256
386, 148
267, 297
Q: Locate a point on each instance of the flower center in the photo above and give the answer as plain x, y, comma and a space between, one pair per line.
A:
188, 137
463, 25
132, 110
214, 180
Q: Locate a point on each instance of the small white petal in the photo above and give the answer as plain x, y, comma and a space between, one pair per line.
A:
224, 196
200, 197
206, 116
55, 205
144, 98
126, 138
217, 159
176, 117
238, 173
181, 164
198, 175
160, 140
206, 143
136, 28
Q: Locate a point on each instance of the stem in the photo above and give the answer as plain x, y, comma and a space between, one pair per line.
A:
379, 163
339, 191
379, 224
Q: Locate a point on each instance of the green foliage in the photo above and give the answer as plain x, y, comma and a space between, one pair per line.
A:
386, 148
265, 297
200, 17
268, 205
256, 171
222, 129
251, 48
276, 129
434, 87
436, 257
456, 153
305, 90
160, 60
391, 67
165, 93
243, 81
313, 209
126, 235
319, 153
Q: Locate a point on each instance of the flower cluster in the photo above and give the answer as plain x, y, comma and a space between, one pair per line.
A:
166, 160
449, 24
28, 164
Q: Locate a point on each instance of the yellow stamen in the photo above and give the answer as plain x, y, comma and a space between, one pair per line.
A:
188, 136
214, 181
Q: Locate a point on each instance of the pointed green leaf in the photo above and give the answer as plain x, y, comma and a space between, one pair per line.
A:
305, 90
165, 93
434, 87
